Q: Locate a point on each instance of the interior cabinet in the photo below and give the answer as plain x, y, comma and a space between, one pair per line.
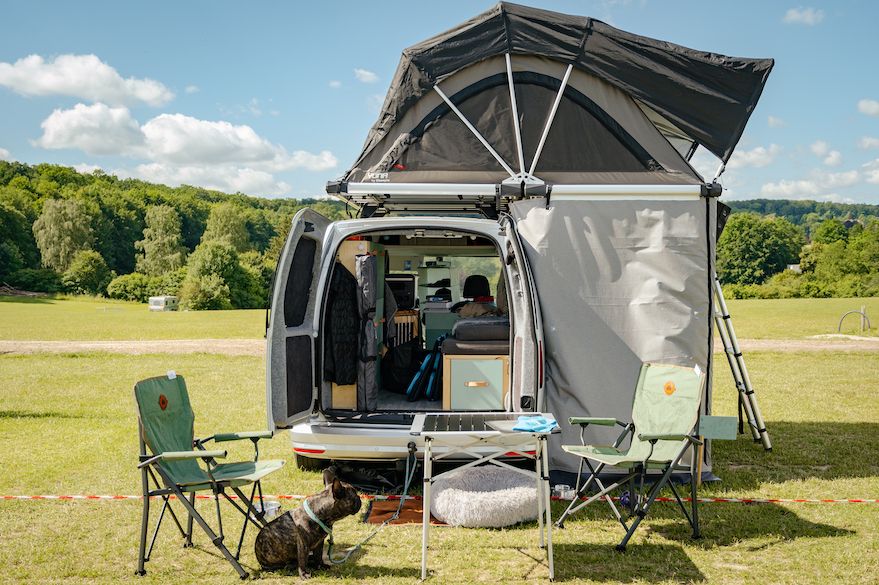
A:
475, 382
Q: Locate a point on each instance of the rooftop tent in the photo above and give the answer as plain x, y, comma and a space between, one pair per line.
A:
522, 95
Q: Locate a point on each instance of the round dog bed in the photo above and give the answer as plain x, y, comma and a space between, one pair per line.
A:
484, 497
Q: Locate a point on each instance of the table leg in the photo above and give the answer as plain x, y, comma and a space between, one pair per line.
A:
547, 503
538, 465
425, 501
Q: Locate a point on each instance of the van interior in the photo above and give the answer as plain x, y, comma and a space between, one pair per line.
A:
416, 320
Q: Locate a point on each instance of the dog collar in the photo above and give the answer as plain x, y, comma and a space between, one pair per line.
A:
314, 517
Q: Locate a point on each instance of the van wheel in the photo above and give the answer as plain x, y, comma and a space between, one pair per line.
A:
310, 463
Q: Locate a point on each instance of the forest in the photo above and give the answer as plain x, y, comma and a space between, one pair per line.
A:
62, 231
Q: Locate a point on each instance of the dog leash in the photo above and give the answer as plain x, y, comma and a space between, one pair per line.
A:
410, 473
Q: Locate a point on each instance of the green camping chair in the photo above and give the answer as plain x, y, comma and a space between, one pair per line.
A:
664, 417
165, 426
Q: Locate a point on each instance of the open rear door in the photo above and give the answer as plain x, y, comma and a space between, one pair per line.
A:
291, 389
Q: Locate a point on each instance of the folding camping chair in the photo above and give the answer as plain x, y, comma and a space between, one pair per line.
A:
165, 425
664, 416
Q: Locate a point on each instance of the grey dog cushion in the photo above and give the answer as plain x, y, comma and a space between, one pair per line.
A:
482, 329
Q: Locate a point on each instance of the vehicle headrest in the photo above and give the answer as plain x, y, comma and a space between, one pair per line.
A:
476, 285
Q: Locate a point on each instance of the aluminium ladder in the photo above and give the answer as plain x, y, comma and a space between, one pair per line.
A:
747, 398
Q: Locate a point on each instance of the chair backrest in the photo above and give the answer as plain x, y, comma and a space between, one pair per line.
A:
667, 400
166, 424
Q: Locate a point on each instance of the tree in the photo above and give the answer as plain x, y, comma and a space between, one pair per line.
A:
228, 223
753, 248
219, 259
62, 230
161, 249
17, 247
88, 274
829, 231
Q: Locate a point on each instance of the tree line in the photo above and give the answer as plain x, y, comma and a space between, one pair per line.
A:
65, 231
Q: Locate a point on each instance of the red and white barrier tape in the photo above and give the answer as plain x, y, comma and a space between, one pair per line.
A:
300, 497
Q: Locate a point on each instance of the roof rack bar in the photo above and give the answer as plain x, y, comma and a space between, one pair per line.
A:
453, 190
471, 189
555, 107
475, 131
515, 115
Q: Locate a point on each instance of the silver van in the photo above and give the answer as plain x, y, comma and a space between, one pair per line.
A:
529, 231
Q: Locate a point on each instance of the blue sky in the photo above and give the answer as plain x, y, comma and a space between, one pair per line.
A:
275, 98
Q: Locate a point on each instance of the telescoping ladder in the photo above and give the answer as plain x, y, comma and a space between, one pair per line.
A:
747, 398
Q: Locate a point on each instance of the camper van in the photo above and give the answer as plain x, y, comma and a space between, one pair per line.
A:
528, 231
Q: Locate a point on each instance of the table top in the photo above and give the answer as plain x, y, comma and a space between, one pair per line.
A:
471, 423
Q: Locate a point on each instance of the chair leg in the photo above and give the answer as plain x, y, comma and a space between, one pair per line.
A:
246, 520
216, 540
188, 542
141, 556
642, 509
579, 491
694, 503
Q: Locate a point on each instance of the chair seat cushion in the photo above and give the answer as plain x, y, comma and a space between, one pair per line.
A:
487, 497
238, 474
482, 329
610, 456
452, 346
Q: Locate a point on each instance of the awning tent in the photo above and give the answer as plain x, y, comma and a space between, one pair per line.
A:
522, 95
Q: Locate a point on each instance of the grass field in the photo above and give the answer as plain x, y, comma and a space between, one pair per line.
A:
88, 319
68, 426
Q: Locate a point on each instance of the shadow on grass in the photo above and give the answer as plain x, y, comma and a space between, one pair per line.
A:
27, 300
14, 414
652, 563
801, 450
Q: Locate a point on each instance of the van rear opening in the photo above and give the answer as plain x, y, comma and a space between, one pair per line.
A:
415, 320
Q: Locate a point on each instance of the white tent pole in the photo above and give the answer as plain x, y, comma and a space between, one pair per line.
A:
555, 106
475, 131
515, 115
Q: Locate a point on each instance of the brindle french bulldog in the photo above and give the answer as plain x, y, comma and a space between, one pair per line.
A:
292, 539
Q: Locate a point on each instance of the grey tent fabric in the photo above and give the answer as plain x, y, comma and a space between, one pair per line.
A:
367, 384
705, 97
620, 283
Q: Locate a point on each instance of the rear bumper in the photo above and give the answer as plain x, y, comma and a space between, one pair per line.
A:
363, 442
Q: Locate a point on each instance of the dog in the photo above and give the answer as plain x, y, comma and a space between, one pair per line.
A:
295, 540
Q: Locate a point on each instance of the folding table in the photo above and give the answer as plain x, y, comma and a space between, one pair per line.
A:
484, 437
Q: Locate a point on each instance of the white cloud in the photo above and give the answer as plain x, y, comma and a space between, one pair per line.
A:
775, 122
833, 158
819, 148
80, 76
868, 142
835, 198
871, 172
757, 157
335, 84
806, 16
224, 177
819, 183
4, 154
181, 149
869, 107
86, 169
95, 129
365, 76
192, 89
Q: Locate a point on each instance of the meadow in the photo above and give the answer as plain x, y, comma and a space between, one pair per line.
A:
68, 426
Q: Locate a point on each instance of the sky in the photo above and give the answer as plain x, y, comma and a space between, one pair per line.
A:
276, 98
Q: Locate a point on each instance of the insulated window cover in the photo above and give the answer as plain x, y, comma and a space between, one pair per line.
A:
299, 364
299, 283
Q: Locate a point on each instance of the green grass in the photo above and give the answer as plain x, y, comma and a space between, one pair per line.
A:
89, 319
799, 318
67, 425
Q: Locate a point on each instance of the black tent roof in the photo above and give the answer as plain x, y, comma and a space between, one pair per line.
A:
707, 96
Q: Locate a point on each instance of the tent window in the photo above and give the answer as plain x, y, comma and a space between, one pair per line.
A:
583, 137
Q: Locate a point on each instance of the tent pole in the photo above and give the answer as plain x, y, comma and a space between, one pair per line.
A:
515, 115
555, 107
475, 131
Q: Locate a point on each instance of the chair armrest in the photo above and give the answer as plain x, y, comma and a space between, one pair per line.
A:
654, 438
178, 455
220, 437
593, 420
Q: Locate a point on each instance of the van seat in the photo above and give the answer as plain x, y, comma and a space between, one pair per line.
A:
479, 336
